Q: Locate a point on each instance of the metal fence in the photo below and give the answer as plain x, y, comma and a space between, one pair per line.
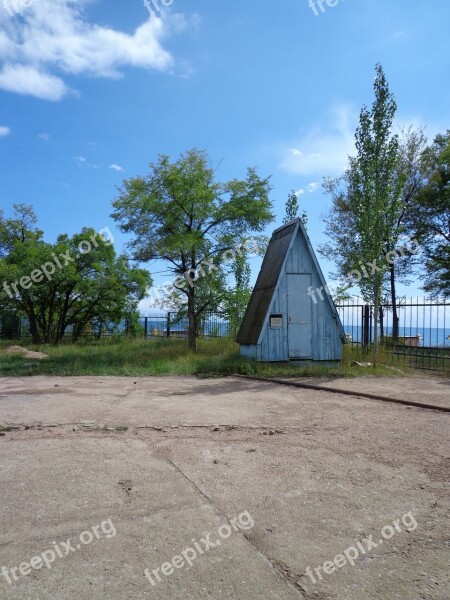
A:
423, 340
171, 325
167, 324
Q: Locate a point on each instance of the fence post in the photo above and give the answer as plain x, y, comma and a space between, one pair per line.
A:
168, 324
145, 327
366, 326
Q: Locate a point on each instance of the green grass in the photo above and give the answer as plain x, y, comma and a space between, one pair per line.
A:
161, 356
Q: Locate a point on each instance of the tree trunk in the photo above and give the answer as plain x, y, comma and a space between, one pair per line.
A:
34, 330
192, 323
33, 325
375, 326
395, 318
75, 333
60, 331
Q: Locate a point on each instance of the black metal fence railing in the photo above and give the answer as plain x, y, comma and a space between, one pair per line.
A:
158, 325
422, 339
171, 325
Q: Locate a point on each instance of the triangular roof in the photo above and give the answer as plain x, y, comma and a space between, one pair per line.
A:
269, 275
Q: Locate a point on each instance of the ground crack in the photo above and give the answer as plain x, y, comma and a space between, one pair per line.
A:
292, 580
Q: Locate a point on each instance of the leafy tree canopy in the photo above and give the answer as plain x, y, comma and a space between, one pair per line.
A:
77, 281
179, 213
431, 218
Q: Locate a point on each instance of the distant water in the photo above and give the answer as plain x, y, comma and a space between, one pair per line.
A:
435, 337
215, 328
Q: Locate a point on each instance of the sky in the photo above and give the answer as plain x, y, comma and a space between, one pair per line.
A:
92, 91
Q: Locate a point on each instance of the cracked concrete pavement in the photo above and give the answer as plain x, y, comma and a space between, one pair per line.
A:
317, 472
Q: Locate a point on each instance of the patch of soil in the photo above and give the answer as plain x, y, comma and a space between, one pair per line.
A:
26, 353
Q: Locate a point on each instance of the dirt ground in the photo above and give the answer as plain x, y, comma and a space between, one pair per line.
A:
171, 460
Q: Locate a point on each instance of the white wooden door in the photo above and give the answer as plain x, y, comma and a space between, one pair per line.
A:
299, 316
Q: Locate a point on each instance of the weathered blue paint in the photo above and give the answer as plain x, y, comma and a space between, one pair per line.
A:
309, 330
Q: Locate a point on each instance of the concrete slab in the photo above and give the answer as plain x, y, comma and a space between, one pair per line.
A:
164, 401
53, 491
314, 494
318, 472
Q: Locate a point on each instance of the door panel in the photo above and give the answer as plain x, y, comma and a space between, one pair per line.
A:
299, 316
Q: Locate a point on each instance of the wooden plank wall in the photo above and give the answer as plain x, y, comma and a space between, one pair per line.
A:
326, 343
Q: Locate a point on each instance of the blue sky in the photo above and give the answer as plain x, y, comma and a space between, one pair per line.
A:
91, 91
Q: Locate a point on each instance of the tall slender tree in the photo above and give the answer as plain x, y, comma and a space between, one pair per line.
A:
369, 200
292, 207
401, 255
375, 189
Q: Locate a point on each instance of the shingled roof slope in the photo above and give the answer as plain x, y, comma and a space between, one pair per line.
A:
266, 283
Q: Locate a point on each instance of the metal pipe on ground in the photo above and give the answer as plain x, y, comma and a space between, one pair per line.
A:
322, 388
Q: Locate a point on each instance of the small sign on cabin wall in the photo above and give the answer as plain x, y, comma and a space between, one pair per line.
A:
276, 320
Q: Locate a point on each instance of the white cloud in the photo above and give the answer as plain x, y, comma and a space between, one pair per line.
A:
116, 167
82, 161
44, 136
29, 81
53, 39
4, 131
311, 187
323, 150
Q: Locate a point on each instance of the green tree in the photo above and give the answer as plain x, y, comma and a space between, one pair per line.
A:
375, 190
237, 296
401, 258
431, 215
292, 208
18, 229
210, 293
369, 200
78, 281
180, 214
401, 247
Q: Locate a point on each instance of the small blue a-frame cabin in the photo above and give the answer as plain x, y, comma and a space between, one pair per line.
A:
290, 315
